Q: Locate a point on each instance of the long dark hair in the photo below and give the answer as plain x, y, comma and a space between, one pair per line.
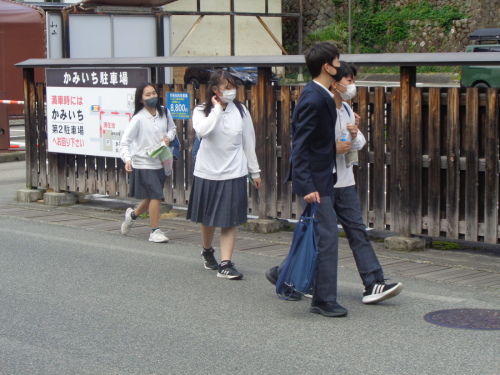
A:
138, 97
215, 80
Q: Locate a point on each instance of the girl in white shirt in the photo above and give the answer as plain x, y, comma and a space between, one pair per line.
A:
225, 157
150, 126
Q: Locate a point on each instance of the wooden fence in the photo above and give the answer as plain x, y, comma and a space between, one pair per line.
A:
431, 163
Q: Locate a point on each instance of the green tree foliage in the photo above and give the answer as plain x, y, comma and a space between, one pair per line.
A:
375, 29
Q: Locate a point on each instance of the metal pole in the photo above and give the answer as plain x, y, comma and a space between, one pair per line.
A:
300, 77
232, 27
350, 29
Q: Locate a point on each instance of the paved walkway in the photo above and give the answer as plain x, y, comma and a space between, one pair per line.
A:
104, 214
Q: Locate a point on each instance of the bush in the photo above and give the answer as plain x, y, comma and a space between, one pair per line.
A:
375, 30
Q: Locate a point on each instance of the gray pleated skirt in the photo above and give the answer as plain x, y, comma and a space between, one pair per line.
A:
221, 204
147, 183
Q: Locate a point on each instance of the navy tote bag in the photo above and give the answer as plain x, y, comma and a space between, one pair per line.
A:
299, 266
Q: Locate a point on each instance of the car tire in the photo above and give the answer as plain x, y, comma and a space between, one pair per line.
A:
194, 81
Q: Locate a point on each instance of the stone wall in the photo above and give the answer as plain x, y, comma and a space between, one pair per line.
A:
425, 36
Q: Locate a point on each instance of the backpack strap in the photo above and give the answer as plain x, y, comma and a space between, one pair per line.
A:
348, 109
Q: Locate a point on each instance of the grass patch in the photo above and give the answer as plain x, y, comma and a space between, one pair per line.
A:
445, 245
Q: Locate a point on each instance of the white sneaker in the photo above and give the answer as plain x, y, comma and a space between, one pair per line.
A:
158, 236
127, 224
380, 292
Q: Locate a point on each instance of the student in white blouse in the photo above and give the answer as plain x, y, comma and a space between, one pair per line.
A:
224, 160
150, 126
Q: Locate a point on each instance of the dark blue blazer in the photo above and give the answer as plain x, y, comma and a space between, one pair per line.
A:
313, 152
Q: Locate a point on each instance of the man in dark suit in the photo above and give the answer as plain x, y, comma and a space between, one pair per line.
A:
312, 163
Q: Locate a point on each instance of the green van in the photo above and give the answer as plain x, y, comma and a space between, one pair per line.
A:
488, 40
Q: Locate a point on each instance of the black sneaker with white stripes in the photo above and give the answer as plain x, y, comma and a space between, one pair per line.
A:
227, 271
209, 261
379, 292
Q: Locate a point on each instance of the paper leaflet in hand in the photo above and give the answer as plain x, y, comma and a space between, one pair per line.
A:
164, 154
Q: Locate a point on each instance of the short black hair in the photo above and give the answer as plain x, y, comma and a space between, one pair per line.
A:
320, 54
345, 70
354, 70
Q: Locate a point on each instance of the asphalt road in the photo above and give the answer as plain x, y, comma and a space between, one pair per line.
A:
75, 301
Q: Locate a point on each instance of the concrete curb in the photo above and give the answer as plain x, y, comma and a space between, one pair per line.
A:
9, 156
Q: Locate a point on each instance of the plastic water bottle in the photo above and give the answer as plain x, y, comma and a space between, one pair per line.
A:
345, 136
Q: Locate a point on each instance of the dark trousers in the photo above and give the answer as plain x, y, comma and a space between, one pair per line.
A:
325, 283
349, 215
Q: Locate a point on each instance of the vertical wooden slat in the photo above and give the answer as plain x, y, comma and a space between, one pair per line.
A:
61, 173
263, 139
362, 172
42, 137
111, 176
71, 172
101, 175
122, 178
378, 136
400, 211
453, 164
491, 168
286, 143
271, 162
255, 111
415, 187
248, 97
296, 203
392, 189
81, 175
434, 187
52, 179
472, 165
392, 99
30, 128
91, 181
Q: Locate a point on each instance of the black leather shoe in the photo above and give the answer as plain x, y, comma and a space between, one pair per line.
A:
330, 309
272, 277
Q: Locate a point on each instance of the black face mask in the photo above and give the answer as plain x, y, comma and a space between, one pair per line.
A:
337, 77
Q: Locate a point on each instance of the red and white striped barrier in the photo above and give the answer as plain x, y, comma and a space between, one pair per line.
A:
11, 101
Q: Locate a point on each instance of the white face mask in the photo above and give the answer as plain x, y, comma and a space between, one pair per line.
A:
350, 93
228, 96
